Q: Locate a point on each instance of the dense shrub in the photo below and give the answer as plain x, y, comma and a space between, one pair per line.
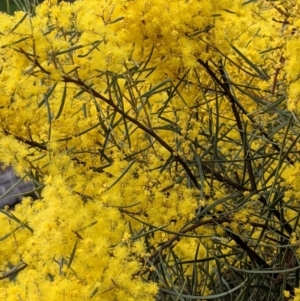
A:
162, 139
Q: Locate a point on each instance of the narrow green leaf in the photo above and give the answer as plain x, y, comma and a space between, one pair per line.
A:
262, 74
47, 95
95, 45
19, 22
10, 215
72, 255
121, 175
62, 103
210, 297
69, 50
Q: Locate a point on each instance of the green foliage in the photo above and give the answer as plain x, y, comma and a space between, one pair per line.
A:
10, 6
7, 6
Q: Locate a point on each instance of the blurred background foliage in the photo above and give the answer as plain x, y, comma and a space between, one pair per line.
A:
10, 6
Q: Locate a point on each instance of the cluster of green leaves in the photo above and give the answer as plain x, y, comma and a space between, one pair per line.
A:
161, 155
10, 6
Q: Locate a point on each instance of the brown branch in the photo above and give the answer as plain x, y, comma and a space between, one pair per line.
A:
202, 223
146, 129
28, 142
247, 163
232, 99
33, 60
251, 253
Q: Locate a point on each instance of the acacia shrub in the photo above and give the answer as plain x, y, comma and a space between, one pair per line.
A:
162, 138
